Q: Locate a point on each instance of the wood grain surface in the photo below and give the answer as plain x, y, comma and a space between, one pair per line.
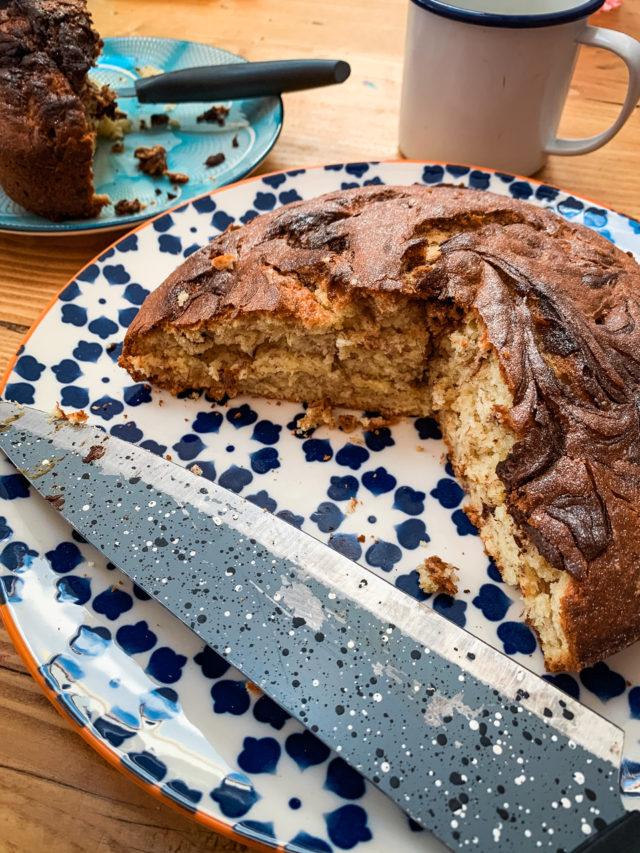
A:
56, 794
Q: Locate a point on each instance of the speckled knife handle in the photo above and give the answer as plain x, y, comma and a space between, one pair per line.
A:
621, 836
241, 80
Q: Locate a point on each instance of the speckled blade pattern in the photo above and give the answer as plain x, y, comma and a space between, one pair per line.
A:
470, 744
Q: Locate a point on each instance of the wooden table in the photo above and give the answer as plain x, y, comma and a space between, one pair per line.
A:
56, 794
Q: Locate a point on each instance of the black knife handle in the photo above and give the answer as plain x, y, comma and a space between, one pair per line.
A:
241, 80
621, 836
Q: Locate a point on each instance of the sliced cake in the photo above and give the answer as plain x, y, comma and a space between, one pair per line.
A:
517, 330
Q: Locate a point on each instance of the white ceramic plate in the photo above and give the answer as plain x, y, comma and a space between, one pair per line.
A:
134, 680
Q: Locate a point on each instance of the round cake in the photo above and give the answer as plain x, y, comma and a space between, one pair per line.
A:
50, 110
517, 330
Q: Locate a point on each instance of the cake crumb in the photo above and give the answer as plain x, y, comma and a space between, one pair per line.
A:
214, 115
182, 298
149, 70
362, 537
153, 161
234, 141
351, 506
159, 120
177, 177
117, 147
224, 262
214, 159
320, 413
196, 469
56, 501
58, 414
128, 206
95, 452
419, 448
437, 576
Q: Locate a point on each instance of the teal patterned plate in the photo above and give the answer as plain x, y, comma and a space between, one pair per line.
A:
248, 134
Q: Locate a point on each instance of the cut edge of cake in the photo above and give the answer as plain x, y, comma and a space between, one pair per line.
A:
462, 388
396, 299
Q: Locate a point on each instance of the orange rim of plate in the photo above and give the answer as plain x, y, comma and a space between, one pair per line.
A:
110, 755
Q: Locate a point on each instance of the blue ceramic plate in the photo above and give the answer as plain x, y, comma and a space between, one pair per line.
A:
138, 685
249, 133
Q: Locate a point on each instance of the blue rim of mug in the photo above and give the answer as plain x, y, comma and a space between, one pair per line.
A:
493, 19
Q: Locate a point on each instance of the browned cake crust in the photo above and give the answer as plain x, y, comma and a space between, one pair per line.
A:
559, 306
46, 155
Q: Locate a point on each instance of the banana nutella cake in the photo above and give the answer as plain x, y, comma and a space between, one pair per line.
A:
50, 112
518, 331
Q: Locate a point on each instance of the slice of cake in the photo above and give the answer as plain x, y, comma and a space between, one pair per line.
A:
50, 111
518, 331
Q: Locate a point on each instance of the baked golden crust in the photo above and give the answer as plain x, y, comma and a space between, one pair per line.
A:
46, 156
558, 305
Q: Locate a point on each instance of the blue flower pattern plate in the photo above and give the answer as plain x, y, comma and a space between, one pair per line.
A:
248, 134
137, 684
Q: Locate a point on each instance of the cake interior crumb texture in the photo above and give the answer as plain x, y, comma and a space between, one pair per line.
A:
377, 354
468, 332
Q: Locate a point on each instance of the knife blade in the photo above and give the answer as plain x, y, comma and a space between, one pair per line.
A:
237, 80
470, 744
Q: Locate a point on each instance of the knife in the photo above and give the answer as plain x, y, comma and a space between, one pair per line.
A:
237, 80
466, 741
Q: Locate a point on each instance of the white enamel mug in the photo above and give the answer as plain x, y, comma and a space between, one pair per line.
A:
485, 84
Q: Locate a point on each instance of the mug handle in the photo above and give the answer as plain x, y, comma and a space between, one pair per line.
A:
628, 49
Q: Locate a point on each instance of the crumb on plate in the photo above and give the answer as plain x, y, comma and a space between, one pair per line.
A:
437, 576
